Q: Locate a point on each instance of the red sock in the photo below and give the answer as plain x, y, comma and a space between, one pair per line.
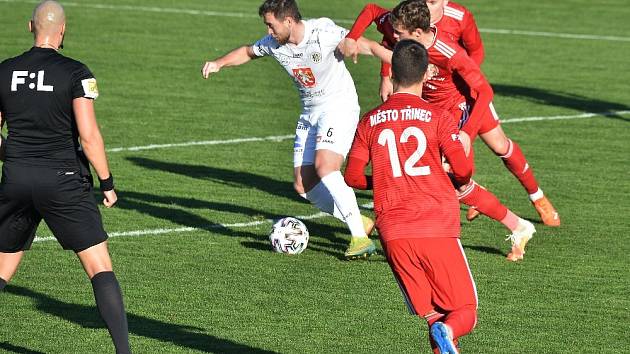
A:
515, 161
462, 321
484, 201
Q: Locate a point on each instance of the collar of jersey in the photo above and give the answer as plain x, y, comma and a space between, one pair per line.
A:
41, 49
307, 30
405, 93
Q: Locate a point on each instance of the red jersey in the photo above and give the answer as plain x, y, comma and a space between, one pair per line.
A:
457, 21
373, 13
460, 24
405, 138
454, 79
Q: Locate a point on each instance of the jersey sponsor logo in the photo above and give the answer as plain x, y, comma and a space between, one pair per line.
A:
433, 71
19, 77
405, 114
305, 76
89, 88
316, 57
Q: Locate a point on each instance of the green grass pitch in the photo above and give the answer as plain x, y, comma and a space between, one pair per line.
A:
205, 279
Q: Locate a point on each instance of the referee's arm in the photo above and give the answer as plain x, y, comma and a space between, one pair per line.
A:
92, 143
1, 139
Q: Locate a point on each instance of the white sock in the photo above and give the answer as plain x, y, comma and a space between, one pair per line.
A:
346, 202
321, 198
535, 196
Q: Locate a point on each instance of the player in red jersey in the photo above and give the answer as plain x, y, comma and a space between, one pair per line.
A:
452, 65
459, 23
483, 119
415, 205
449, 17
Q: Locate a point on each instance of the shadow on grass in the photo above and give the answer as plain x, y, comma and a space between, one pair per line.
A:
87, 316
561, 99
146, 203
180, 211
485, 249
10, 348
238, 179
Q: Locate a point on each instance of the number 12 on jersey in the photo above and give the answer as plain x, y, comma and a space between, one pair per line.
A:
388, 138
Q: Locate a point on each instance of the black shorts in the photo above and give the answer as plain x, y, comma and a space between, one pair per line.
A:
61, 196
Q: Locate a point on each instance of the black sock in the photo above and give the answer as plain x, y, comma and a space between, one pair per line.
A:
3, 283
110, 305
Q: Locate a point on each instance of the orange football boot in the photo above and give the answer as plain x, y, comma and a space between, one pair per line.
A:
547, 212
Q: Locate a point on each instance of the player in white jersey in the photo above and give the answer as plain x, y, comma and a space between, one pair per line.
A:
330, 109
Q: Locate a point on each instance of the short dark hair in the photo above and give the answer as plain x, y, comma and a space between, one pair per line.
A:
409, 62
410, 15
280, 9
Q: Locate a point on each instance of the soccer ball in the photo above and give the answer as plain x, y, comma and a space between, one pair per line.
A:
289, 235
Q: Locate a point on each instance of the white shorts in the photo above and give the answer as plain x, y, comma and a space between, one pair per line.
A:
331, 130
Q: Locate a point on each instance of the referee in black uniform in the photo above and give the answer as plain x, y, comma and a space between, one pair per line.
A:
46, 100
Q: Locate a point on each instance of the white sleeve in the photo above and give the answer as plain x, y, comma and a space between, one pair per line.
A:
264, 46
330, 34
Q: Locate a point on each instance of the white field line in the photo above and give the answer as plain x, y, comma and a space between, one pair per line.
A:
189, 229
575, 116
369, 205
182, 11
280, 138
207, 142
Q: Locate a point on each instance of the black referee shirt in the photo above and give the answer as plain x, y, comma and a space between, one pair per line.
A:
36, 93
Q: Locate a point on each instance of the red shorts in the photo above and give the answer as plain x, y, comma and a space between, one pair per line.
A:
432, 273
489, 120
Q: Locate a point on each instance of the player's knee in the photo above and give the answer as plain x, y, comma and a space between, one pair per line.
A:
95, 259
500, 145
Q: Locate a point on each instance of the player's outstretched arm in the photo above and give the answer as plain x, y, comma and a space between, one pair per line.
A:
349, 47
238, 56
370, 47
369, 14
93, 145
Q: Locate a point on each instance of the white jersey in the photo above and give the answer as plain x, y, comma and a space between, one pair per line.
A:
319, 74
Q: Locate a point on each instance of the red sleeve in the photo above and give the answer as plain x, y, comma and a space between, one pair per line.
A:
471, 39
452, 148
358, 159
481, 90
386, 69
355, 176
369, 13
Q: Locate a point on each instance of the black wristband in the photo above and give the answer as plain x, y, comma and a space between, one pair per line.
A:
107, 184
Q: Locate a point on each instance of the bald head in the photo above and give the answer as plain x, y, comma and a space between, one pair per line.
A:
48, 18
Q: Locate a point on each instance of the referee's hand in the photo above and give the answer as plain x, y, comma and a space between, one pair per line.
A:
110, 198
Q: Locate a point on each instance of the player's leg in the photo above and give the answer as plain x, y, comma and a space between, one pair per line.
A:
487, 203
513, 158
305, 180
107, 293
335, 133
328, 165
18, 220
405, 260
454, 291
69, 209
9, 263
